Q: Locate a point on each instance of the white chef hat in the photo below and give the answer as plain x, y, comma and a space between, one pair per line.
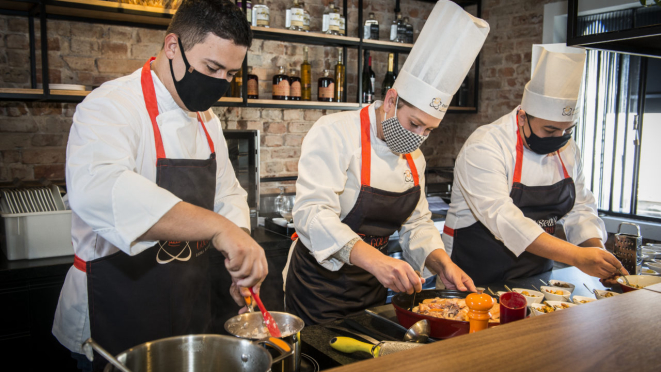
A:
441, 58
555, 82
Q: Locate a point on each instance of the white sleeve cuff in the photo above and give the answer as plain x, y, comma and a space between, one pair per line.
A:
325, 243
420, 245
137, 205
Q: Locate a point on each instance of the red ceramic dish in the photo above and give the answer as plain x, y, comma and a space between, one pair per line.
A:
440, 328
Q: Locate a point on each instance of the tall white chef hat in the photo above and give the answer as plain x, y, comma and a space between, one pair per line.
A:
555, 82
441, 58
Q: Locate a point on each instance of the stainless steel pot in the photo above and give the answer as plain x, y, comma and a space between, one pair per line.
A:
248, 326
197, 353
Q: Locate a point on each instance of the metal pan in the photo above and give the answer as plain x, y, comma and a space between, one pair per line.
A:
440, 328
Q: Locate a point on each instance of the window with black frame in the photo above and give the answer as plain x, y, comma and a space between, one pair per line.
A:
619, 127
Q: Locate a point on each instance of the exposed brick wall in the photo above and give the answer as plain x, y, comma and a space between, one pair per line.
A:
33, 135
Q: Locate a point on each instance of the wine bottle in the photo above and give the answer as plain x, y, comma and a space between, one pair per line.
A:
253, 84
295, 86
368, 91
340, 71
389, 80
306, 77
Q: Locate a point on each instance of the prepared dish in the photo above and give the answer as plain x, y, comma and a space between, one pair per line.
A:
558, 292
452, 309
526, 293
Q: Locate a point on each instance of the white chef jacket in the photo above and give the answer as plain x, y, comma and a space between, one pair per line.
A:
111, 182
329, 173
483, 176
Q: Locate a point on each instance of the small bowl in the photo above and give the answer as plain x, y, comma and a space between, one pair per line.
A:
562, 285
555, 297
532, 297
655, 266
556, 305
601, 295
637, 282
560, 305
580, 300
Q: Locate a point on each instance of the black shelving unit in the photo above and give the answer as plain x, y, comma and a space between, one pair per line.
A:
644, 41
106, 12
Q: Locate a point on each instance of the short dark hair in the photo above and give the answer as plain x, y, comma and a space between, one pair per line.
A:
402, 102
195, 19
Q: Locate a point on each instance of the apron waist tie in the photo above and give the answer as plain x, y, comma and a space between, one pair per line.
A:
79, 264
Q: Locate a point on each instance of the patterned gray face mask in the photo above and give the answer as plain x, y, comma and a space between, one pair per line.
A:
399, 139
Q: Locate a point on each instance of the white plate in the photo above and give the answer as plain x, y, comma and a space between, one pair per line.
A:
6, 204
57, 198
564, 297
48, 198
554, 283
600, 294
577, 300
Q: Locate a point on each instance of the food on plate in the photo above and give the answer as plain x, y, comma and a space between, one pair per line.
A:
558, 292
562, 306
545, 308
561, 285
609, 294
526, 293
452, 309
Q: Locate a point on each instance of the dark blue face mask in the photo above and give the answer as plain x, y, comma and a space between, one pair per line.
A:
545, 145
197, 90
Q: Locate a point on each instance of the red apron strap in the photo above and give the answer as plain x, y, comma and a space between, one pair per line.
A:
519, 154
366, 146
564, 170
152, 106
79, 264
448, 231
414, 170
211, 147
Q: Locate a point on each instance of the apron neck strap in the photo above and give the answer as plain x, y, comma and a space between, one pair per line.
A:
366, 150
149, 94
519, 156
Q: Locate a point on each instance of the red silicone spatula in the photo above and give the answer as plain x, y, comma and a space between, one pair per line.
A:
268, 319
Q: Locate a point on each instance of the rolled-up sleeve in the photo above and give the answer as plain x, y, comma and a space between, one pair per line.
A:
322, 175
231, 198
103, 186
418, 237
582, 222
482, 176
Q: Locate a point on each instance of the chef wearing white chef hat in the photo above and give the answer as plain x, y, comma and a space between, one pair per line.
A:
518, 177
359, 181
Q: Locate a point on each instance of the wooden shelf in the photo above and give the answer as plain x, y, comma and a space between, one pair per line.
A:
110, 11
271, 103
278, 34
387, 46
461, 109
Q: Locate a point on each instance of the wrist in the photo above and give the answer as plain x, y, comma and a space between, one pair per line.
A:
364, 256
438, 260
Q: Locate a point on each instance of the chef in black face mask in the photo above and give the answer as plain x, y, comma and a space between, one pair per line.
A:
153, 192
519, 177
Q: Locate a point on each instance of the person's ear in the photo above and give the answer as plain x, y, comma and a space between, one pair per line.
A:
171, 45
522, 118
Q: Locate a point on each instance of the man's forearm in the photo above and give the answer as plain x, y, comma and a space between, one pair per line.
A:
550, 247
186, 222
437, 260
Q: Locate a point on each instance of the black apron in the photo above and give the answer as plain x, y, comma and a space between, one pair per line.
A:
486, 259
163, 291
317, 294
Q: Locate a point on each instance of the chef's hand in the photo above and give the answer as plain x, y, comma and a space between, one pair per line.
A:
238, 293
451, 275
244, 258
392, 273
598, 262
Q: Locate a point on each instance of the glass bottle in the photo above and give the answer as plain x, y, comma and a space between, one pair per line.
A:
261, 15
401, 29
340, 71
295, 86
295, 17
253, 84
306, 77
343, 24
325, 21
239, 3
306, 18
371, 30
409, 31
389, 80
281, 88
393, 27
372, 77
237, 84
326, 88
368, 91
334, 21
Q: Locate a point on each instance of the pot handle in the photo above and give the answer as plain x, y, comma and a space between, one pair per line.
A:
628, 223
283, 347
105, 354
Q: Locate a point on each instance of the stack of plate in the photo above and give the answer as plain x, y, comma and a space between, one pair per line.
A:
33, 200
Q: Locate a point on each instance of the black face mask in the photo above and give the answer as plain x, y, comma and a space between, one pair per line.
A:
546, 145
197, 90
